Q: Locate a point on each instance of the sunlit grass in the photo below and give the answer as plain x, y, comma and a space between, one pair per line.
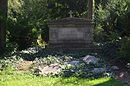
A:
31, 80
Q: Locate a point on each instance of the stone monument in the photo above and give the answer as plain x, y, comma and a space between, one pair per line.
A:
71, 33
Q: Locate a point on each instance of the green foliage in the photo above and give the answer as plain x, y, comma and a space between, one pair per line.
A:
45, 34
6, 66
54, 59
82, 70
112, 21
1, 17
125, 50
10, 47
25, 21
110, 50
21, 34
60, 9
112, 24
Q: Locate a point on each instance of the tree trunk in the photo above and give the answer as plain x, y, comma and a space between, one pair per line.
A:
90, 9
3, 19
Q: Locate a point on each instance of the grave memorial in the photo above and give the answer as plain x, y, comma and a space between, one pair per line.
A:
71, 32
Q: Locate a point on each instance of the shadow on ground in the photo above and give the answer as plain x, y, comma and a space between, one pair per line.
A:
111, 83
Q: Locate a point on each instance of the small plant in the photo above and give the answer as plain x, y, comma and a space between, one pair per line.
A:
8, 64
54, 59
83, 70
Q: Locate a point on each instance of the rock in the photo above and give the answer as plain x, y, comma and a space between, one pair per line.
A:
38, 70
21, 60
99, 70
90, 59
74, 62
31, 50
128, 64
109, 74
52, 69
66, 63
114, 68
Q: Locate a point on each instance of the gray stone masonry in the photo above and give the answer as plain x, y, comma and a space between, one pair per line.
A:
70, 33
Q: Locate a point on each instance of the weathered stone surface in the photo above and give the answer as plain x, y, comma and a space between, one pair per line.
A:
51, 69
114, 68
90, 59
99, 70
31, 50
38, 70
70, 31
70, 20
74, 62
128, 64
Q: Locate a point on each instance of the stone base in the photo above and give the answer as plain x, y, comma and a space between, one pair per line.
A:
73, 46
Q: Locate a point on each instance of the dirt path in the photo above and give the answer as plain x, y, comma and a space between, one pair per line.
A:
123, 76
123, 73
24, 66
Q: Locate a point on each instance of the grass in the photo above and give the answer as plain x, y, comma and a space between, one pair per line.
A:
19, 79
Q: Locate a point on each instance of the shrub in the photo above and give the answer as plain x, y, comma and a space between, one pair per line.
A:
125, 49
21, 34
112, 21
110, 50
8, 64
45, 34
25, 21
10, 47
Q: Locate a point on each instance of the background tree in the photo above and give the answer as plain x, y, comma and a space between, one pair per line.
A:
3, 18
112, 21
26, 20
90, 9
